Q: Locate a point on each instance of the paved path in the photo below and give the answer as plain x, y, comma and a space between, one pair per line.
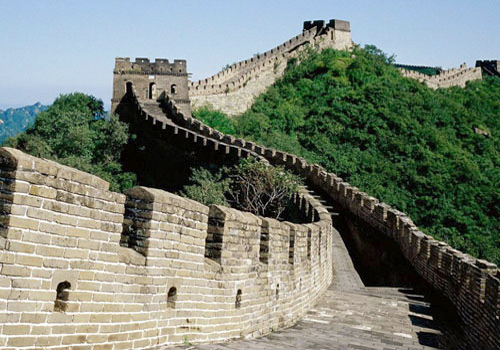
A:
351, 316
345, 276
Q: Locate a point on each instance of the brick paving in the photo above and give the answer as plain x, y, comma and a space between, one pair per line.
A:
351, 316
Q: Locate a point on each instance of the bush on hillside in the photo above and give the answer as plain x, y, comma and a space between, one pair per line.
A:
214, 118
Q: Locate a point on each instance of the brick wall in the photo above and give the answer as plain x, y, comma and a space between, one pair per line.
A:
472, 285
85, 267
233, 90
451, 77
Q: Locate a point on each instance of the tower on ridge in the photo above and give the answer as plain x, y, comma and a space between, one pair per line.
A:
151, 81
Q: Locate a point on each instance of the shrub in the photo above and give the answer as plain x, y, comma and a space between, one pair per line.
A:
214, 118
249, 186
206, 187
261, 189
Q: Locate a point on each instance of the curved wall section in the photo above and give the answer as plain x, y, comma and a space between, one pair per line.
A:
472, 285
87, 268
451, 77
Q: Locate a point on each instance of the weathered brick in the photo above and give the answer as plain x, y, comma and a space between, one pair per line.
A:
23, 222
14, 270
23, 341
29, 260
41, 191
16, 329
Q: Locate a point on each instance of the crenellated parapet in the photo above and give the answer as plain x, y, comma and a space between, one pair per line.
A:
83, 266
160, 66
321, 25
151, 80
446, 78
472, 285
489, 67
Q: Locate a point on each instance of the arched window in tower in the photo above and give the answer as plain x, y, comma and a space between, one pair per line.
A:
128, 87
173, 89
152, 90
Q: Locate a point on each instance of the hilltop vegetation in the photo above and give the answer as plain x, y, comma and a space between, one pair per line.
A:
75, 131
15, 120
412, 147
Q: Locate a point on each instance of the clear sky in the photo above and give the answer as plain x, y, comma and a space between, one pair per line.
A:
59, 46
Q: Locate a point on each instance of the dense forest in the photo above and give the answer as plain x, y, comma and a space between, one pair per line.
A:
434, 154
15, 120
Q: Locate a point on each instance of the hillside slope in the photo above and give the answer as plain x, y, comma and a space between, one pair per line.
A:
434, 154
15, 120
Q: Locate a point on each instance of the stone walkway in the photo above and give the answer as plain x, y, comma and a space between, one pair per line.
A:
345, 276
351, 316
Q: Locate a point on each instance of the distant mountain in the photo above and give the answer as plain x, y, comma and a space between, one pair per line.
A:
15, 120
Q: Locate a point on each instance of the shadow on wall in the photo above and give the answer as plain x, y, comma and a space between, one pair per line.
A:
377, 259
380, 263
161, 162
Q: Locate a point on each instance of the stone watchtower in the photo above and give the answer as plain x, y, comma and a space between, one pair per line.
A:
151, 80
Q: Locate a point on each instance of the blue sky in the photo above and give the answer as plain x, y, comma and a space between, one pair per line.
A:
55, 46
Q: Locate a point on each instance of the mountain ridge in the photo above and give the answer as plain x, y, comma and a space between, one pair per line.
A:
15, 120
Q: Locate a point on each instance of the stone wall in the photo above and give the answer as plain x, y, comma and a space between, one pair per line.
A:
451, 77
233, 90
85, 268
472, 285
151, 80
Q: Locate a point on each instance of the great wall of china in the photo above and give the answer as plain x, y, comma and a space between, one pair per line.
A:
234, 89
451, 77
85, 268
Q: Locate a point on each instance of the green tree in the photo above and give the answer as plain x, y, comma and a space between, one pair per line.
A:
207, 187
75, 131
249, 185
261, 189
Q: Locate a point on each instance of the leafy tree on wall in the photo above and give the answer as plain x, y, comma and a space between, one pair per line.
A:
249, 185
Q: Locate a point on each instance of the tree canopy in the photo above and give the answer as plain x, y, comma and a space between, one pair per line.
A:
76, 131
